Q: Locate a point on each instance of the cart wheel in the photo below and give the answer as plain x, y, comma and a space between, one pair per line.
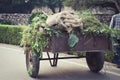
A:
95, 61
32, 63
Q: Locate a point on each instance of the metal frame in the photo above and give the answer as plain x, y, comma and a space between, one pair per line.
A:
53, 61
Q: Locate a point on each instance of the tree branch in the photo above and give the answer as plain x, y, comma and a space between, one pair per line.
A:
117, 2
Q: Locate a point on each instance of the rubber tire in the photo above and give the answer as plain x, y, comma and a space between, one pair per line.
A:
35, 64
95, 61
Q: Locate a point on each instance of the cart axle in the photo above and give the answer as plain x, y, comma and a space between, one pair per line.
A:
63, 58
53, 61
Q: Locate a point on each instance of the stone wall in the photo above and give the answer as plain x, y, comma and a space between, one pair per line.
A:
14, 18
23, 18
19, 18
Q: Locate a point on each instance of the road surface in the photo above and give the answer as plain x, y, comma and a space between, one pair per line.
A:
12, 67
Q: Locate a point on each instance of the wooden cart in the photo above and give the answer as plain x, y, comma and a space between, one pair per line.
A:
93, 46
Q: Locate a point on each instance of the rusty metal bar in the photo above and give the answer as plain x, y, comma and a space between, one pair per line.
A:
55, 59
63, 58
49, 59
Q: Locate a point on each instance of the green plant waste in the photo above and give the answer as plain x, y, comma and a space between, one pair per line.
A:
36, 36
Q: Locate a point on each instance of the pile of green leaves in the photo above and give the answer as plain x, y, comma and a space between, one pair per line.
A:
93, 26
37, 35
32, 36
37, 18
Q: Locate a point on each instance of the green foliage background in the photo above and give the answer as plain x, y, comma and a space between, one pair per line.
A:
11, 34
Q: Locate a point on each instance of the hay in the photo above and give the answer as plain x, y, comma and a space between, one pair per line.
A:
67, 19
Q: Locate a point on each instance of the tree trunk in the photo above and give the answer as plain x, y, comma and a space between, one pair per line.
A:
60, 6
52, 8
117, 3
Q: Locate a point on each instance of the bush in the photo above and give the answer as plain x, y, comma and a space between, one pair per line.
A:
7, 22
109, 56
11, 34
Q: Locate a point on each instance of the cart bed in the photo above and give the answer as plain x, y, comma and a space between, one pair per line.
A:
86, 43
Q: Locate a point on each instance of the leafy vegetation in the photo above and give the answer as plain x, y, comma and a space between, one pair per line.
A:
32, 37
93, 26
37, 35
109, 56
